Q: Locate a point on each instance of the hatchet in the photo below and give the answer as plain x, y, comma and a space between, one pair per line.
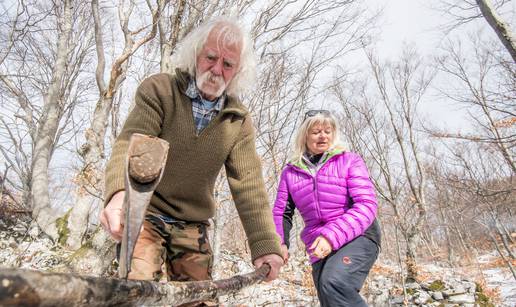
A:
144, 166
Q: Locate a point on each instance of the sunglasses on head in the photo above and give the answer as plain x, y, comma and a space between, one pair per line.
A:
311, 113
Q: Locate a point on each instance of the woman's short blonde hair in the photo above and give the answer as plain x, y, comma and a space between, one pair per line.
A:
300, 147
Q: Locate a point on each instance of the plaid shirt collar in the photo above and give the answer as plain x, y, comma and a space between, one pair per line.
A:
193, 92
204, 111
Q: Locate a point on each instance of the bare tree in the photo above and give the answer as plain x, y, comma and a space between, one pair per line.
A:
486, 85
464, 11
45, 89
482, 82
387, 135
89, 178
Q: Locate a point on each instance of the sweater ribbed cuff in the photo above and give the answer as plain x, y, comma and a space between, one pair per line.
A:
115, 185
265, 247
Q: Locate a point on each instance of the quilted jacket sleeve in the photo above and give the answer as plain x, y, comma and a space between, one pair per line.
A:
355, 221
279, 205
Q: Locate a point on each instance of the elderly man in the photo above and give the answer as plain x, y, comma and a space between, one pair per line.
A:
197, 111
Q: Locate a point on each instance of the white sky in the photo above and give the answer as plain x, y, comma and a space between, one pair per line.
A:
408, 21
414, 22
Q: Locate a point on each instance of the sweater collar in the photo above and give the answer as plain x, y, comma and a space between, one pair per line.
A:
232, 104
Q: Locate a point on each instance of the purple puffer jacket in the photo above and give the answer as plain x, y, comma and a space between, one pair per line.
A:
323, 202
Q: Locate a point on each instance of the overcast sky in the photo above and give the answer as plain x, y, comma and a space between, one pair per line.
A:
414, 22
408, 21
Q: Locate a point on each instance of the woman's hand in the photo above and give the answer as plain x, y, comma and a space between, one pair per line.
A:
320, 248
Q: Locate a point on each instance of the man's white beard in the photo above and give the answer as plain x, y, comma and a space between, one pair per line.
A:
207, 76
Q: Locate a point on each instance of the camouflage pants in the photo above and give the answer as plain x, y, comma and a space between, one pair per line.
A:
182, 246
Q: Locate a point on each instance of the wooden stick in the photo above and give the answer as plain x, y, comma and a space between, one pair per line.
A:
20, 287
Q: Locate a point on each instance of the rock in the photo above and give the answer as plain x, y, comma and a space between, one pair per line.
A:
12, 243
413, 285
462, 298
398, 300
469, 286
438, 295
421, 297
459, 289
381, 299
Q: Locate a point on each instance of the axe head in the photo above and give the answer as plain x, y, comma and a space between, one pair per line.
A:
145, 163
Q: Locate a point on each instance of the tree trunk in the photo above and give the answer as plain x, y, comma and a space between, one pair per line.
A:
501, 28
410, 255
217, 231
168, 47
90, 178
508, 262
47, 129
93, 150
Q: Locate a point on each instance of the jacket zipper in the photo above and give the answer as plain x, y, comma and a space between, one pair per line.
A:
316, 193
315, 189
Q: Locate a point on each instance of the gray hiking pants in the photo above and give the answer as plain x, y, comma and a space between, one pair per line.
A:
339, 277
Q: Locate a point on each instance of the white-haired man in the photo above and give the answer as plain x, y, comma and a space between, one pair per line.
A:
197, 111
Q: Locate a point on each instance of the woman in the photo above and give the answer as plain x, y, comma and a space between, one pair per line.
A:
333, 193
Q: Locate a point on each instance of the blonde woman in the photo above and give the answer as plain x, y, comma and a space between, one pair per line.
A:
335, 197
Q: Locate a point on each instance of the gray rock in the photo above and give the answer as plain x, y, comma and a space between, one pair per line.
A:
413, 285
462, 298
469, 286
396, 300
454, 291
438, 296
421, 297
380, 300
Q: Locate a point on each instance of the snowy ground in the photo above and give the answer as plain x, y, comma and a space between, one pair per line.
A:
499, 278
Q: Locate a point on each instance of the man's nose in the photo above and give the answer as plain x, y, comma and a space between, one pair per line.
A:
216, 69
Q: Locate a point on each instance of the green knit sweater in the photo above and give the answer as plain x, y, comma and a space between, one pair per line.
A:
194, 161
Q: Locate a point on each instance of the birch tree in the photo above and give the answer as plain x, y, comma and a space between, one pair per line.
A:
45, 90
89, 178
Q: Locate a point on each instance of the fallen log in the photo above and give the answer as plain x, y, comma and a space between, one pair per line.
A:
20, 287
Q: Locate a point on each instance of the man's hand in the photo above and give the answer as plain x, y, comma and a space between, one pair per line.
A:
320, 248
275, 261
284, 253
111, 216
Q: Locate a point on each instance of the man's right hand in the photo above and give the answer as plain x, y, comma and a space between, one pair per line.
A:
111, 216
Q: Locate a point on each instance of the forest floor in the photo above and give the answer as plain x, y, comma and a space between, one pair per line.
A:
293, 288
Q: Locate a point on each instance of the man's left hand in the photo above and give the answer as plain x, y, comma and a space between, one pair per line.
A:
275, 261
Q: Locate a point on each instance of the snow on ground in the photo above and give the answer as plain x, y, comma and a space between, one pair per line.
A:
499, 277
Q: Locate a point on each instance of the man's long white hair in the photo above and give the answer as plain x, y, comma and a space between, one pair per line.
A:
185, 57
